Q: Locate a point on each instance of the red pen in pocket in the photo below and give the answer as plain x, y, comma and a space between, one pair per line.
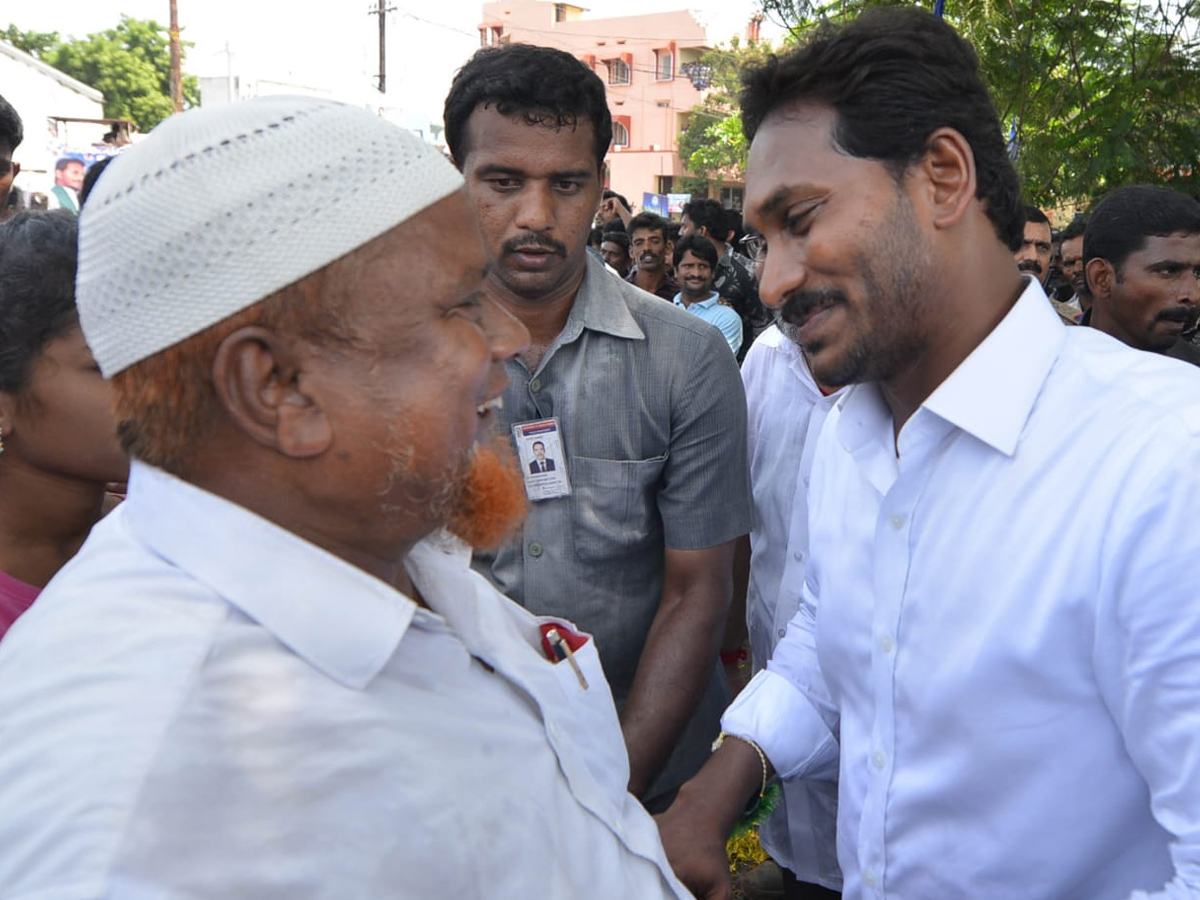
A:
560, 643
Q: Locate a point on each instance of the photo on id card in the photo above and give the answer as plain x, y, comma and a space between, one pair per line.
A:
543, 462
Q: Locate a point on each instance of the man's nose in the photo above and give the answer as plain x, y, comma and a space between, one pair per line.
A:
536, 210
508, 336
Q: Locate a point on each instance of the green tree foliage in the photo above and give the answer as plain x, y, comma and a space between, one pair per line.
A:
712, 145
129, 64
1101, 93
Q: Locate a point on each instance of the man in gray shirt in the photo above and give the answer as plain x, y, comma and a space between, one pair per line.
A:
636, 544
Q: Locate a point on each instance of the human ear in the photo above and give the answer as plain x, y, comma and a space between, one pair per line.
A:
1100, 277
7, 408
257, 376
948, 167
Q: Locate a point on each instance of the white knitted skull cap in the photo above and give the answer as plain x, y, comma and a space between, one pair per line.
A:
219, 208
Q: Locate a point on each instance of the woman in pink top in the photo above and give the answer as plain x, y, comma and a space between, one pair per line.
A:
57, 429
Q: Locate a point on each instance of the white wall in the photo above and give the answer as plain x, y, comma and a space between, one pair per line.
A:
37, 94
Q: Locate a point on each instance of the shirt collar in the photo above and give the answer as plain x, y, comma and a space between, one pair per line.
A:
991, 393
338, 618
600, 306
705, 304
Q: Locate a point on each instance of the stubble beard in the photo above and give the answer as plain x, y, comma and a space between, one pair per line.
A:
890, 341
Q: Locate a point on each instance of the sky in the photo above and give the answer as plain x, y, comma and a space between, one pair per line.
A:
332, 45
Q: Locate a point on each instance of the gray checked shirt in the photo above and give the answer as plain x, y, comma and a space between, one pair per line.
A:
653, 420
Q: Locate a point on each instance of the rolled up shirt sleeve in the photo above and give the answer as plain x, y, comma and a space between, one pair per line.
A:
786, 709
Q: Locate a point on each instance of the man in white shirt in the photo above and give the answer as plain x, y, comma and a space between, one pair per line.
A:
998, 648
271, 673
785, 409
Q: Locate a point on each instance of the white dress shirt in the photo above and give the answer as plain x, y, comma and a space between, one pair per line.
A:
1001, 621
785, 410
203, 705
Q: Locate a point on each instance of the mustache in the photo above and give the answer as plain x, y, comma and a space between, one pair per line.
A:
800, 306
1030, 265
1178, 314
533, 242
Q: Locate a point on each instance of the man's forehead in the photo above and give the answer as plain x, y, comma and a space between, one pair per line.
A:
1179, 247
645, 234
792, 153
492, 133
1035, 230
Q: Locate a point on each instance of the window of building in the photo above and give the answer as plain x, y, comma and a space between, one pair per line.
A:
665, 184
560, 12
620, 134
664, 65
618, 71
733, 197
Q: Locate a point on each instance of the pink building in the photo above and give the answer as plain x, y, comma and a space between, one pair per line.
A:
643, 60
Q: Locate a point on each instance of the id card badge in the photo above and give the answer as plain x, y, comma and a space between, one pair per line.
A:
543, 462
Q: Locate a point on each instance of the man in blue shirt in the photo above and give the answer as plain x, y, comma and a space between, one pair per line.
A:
695, 262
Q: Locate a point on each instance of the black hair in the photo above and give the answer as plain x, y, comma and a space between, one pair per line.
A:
893, 76
92, 176
733, 226
614, 226
697, 245
610, 193
1122, 221
37, 289
12, 132
1033, 214
542, 85
650, 221
620, 238
707, 214
595, 237
64, 161
1073, 229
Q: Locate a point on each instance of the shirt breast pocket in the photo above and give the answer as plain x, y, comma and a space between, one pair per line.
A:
613, 506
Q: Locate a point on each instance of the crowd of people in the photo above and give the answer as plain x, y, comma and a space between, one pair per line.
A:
342, 560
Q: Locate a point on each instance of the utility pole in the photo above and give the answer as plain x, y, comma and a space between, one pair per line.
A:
176, 60
382, 11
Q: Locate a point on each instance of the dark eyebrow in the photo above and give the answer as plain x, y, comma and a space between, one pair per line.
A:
773, 202
497, 169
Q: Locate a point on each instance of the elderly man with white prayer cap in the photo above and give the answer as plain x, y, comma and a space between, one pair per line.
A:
271, 672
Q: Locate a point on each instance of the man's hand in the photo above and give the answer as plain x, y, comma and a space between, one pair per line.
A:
698, 858
695, 829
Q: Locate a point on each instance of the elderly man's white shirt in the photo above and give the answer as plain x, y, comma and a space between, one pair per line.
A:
204, 705
1001, 622
785, 410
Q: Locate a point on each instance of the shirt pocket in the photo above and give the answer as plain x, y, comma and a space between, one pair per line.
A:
613, 506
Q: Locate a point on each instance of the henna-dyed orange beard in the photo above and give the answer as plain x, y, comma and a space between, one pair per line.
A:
489, 500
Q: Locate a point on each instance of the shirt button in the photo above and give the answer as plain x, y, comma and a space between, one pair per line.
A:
897, 522
806, 481
535, 385
782, 632
878, 759
885, 643
869, 877
798, 556
535, 549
